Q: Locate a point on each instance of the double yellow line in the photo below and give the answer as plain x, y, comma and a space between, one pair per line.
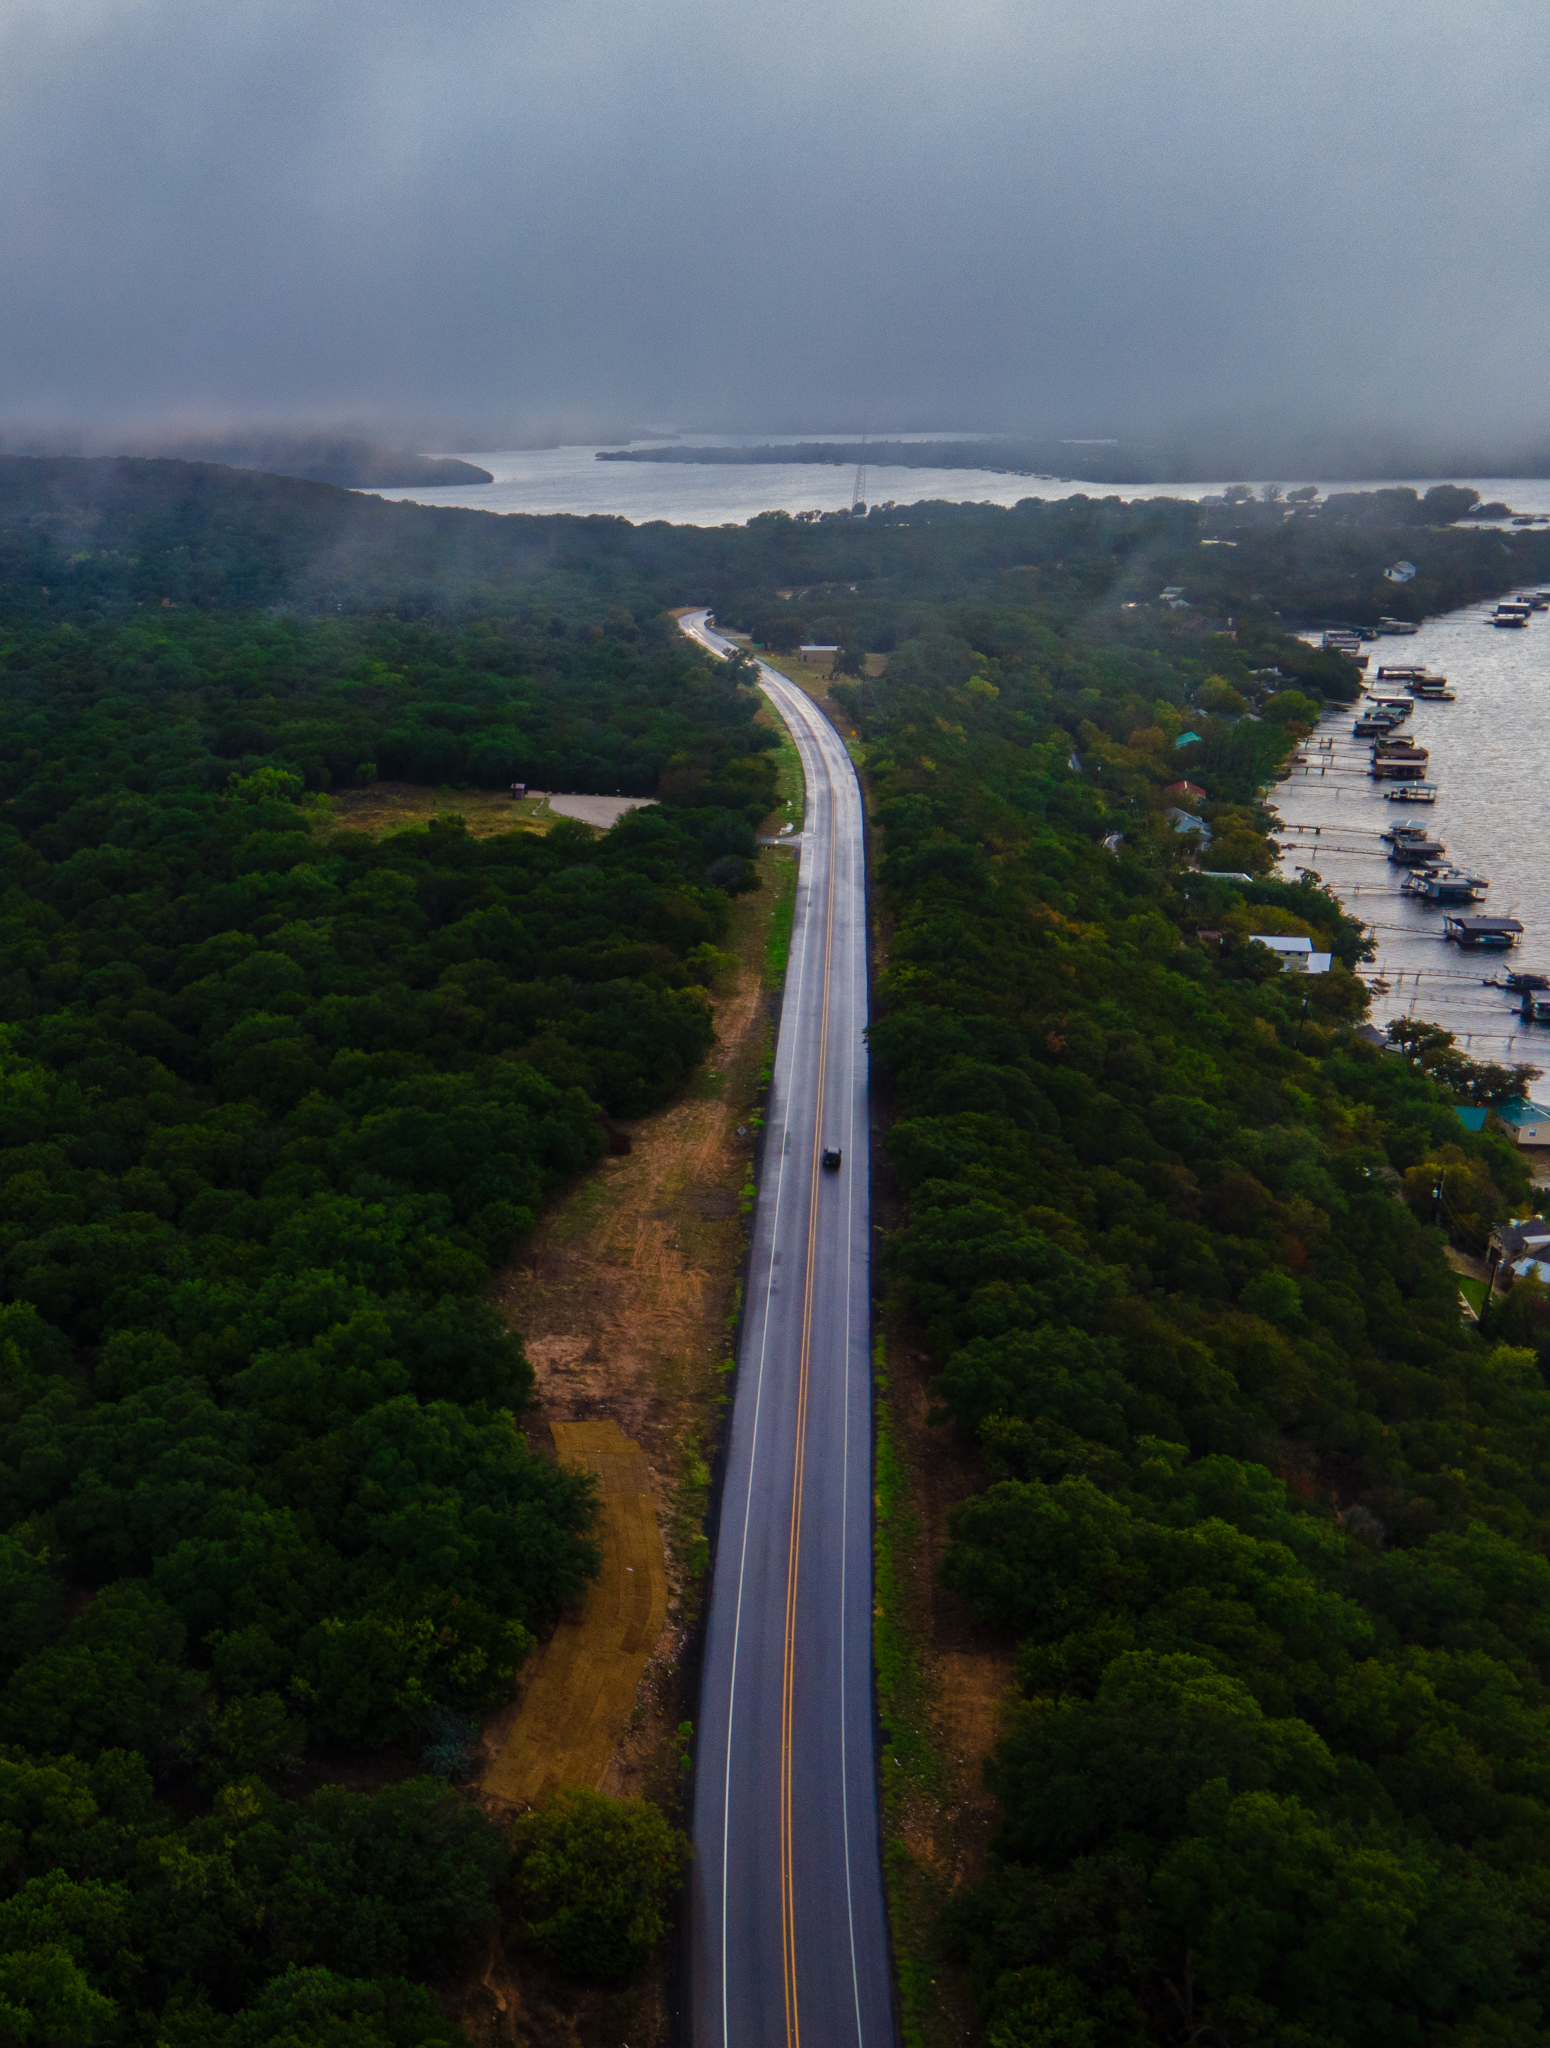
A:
793, 1561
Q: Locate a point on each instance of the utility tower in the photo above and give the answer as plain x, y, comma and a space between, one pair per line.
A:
858, 495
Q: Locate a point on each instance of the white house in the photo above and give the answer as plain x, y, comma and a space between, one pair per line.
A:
1297, 955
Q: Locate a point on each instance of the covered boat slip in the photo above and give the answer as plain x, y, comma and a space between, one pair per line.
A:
1494, 932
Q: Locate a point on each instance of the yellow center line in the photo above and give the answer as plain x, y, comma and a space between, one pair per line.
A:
787, 1867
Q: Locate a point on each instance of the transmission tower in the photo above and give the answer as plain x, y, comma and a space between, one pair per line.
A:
858, 495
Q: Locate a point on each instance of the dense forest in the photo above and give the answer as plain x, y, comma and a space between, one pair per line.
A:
1267, 1521
275, 1096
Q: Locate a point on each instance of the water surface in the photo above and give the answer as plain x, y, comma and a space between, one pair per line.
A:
573, 480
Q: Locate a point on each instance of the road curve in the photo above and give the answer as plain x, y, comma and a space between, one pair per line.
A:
789, 1939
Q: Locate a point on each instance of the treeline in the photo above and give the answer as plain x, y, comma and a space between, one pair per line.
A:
1267, 1522
275, 1097
84, 541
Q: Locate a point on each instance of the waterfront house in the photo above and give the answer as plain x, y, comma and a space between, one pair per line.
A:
1297, 955
1526, 1123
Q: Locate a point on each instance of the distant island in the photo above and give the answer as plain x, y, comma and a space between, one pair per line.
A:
317, 456
1333, 457
328, 459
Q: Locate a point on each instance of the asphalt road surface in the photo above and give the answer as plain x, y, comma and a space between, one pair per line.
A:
789, 1937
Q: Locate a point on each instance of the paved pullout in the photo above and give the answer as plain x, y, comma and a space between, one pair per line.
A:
789, 1937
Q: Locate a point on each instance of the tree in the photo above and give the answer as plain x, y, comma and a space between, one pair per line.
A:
399, 1884
318, 2009
593, 1879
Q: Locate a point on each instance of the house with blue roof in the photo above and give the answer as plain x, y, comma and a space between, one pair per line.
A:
1526, 1123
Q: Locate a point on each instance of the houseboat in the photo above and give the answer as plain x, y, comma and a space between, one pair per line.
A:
1388, 768
1431, 690
1392, 707
1397, 629
1512, 621
1535, 1007
1444, 885
1394, 835
1416, 853
1516, 982
1400, 675
1412, 793
1482, 931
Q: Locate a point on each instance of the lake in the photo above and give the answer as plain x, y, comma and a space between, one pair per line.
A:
686, 494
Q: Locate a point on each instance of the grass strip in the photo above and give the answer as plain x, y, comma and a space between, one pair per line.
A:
909, 1766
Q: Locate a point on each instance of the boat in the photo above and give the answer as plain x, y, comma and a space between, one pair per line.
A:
1400, 675
1373, 728
1510, 620
1469, 931
1416, 853
1534, 1008
1522, 605
1517, 982
1396, 833
1432, 690
1397, 629
1412, 793
1385, 768
1397, 750
1396, 707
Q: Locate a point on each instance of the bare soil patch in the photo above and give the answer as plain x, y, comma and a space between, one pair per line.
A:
602, 811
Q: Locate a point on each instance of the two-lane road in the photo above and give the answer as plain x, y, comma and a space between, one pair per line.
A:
789, 1938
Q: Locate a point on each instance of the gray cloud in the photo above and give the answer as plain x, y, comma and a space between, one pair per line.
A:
994, 213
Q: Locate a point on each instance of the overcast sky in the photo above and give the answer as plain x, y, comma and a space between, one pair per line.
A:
774, 214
